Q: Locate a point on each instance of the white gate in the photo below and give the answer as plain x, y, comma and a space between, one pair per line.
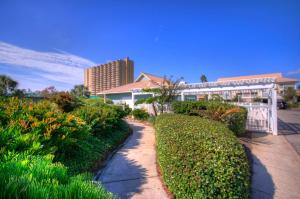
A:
261, 117
258, 117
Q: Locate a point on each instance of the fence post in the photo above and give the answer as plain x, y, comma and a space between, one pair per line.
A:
274, 112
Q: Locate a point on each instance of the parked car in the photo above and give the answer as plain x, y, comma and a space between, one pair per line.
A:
281, 104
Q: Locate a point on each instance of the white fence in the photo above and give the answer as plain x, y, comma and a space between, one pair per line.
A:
258, 118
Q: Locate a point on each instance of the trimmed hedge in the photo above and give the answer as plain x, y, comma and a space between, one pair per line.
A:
201, 158
233, 116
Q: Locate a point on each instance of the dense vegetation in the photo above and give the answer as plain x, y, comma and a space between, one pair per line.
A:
140, 114
234, 117
46, 147
201, 158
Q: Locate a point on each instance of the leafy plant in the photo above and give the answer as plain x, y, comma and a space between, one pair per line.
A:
65, 101
233, 116
201, 158
7, 85
162, 96
80, 91
140, 114
27, 176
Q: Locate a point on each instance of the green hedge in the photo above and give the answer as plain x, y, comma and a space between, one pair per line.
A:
201, 158
233, 116
140, 114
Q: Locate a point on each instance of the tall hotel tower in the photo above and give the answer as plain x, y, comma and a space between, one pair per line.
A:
109, 75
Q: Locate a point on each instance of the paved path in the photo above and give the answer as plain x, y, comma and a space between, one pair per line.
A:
289, 126
275, 167
131, 173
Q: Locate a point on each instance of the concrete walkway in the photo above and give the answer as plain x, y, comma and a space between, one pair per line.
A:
131, 173
275, 167
289, 126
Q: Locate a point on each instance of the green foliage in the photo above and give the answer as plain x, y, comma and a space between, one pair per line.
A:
234, 117
140, 114
95, 149
7, 85
290, 94
65, 101
201, 158
27, 176
41, 128
80, 91
203, 78
97, 101
102, 118
163, 95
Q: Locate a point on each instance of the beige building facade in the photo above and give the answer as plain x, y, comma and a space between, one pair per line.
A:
110, 75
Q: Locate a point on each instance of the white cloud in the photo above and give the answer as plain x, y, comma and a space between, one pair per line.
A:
56, 67
296, 72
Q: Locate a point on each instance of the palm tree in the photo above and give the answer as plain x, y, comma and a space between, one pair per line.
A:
7, 85
203, 78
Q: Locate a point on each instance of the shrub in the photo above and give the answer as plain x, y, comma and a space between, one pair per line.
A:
201, 158
234, 117
95, 149
28, 176
140, 114
100, 117
40, 128
65, 101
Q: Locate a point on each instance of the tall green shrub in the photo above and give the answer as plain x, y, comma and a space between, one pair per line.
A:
201, 158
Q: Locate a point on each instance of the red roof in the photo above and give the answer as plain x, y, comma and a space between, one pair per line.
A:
284, 80
278, 78
151, 81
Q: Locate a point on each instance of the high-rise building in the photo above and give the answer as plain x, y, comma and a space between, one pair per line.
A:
110, 75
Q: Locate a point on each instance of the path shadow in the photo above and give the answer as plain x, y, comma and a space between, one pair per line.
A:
262, 185
255, 138
122, 176
286, 128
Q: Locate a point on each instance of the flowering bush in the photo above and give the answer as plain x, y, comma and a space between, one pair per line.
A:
29, 131
40, 127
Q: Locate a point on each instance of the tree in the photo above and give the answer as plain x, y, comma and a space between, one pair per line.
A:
203, 78
48, 92
65, 101
80, 91
290, 94
165, 94
7, 85
20, 93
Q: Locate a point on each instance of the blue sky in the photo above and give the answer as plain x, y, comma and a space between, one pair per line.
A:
46, 43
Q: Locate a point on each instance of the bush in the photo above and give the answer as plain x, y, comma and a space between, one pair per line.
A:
65, 101
140, 114
40, 128
29, 131
100, 117
95, 149
233, 116
200, 158
26, 176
